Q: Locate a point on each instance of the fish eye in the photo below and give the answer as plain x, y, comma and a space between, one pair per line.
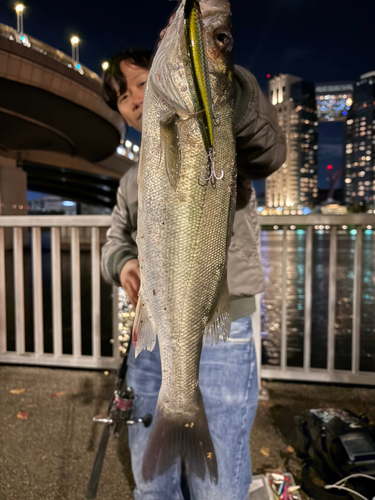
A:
223, 39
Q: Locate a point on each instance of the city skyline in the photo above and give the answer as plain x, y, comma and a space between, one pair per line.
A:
295, 184
360, 143
272, 38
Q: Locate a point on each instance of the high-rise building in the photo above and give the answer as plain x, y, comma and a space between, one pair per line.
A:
295, 184
333, 101
360, 143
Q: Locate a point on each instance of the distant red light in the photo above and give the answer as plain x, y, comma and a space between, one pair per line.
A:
27, 207
268, 75
329, 167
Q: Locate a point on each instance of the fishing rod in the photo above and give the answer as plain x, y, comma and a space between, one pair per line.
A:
120, 411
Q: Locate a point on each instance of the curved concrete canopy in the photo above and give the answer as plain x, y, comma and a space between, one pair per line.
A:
45, 103
92, 189
32, 118
115, 166
54, 121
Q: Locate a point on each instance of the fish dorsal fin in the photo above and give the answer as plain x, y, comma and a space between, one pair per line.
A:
144, 336
219, 323
171, 149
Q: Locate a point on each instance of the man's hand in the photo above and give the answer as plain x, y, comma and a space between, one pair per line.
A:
130, 280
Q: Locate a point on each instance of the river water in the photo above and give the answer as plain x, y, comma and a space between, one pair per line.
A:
271, 249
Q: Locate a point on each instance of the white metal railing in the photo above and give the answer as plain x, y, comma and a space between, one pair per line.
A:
74, 223
330, 374
55, 224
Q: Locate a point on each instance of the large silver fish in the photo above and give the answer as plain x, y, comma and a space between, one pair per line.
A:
187, 191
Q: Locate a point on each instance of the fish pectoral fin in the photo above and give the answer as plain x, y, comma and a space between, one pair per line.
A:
220, 321
171, 149
144, 336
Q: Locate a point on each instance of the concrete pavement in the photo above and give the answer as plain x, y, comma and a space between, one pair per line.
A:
49, 455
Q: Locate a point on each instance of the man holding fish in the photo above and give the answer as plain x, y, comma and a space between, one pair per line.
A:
184, 245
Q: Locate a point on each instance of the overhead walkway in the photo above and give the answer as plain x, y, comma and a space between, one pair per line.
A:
54, 126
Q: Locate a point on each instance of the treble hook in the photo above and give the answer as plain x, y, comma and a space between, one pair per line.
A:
212, 175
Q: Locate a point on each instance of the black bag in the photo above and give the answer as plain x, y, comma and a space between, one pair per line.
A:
336, 443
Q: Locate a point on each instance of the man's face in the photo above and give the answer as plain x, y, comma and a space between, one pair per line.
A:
130, 104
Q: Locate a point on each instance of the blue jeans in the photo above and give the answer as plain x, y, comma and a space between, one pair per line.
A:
229, 385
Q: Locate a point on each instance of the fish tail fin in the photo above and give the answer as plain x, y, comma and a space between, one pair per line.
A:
185, 437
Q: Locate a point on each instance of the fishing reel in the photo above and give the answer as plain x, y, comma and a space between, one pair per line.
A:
121, 413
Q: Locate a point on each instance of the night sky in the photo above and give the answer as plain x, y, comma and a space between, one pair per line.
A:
317, 40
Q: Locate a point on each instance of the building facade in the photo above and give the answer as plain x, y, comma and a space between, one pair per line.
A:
333, 101
360, 143
295, 184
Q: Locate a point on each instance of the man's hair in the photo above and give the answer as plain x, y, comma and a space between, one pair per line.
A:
113, 78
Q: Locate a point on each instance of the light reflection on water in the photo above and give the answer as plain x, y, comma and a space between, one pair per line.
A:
271, 249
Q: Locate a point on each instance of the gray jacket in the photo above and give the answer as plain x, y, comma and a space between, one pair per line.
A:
261, 149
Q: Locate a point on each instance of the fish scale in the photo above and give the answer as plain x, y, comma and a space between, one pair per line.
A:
183, 237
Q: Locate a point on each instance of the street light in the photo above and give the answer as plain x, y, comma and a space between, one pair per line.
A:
105, 66
75, 52
19, 8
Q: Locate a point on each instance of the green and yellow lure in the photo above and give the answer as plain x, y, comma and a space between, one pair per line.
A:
197, 53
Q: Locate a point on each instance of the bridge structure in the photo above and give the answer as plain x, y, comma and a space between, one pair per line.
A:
56, 133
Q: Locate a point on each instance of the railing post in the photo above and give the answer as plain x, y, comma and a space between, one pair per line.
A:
3, 316
257, 328
37, 290
19, 295
115, 323
56, 291
76, 292
356, 329
95, 297
308, 299
332, 300
283, 346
